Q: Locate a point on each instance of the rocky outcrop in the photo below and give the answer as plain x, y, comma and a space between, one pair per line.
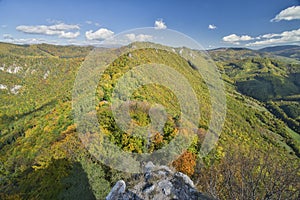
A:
158, 182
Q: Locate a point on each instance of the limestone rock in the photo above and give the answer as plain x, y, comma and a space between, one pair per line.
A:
158, 182
117, 190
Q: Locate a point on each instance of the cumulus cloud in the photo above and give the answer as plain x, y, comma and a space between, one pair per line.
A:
160, 24
235, 39
285, 37
211, 27
100, 34
288, 14
62, 30
140, 38
292, 36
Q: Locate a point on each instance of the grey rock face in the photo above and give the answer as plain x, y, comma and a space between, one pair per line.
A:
166, 187
149, 167
159, 183
117, 190
185, 178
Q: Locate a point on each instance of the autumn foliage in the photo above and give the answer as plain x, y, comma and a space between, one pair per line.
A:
186, 163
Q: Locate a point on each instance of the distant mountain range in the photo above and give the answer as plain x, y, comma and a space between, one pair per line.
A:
291, 51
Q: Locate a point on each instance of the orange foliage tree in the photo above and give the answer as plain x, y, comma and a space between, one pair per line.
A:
186, 163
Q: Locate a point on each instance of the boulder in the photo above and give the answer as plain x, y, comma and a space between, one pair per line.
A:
157, 182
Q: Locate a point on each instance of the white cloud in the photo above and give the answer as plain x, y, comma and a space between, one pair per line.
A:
292, 36
7, 36
131, 36
286, 37
140, 38
288, 14
29, 41
83, 42
100, 34
211, 27
69, 35
235, 39
62, 30
88, 22
64, 27
160, 24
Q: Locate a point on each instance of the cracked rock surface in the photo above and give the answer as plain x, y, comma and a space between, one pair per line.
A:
158, 182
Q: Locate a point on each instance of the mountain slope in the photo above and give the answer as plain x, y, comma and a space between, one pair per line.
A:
272, 80
290, 51
40, 148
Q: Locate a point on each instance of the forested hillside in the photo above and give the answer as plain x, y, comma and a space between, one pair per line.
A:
271, 80
41, 156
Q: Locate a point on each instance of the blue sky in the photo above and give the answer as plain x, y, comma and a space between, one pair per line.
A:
213, 23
